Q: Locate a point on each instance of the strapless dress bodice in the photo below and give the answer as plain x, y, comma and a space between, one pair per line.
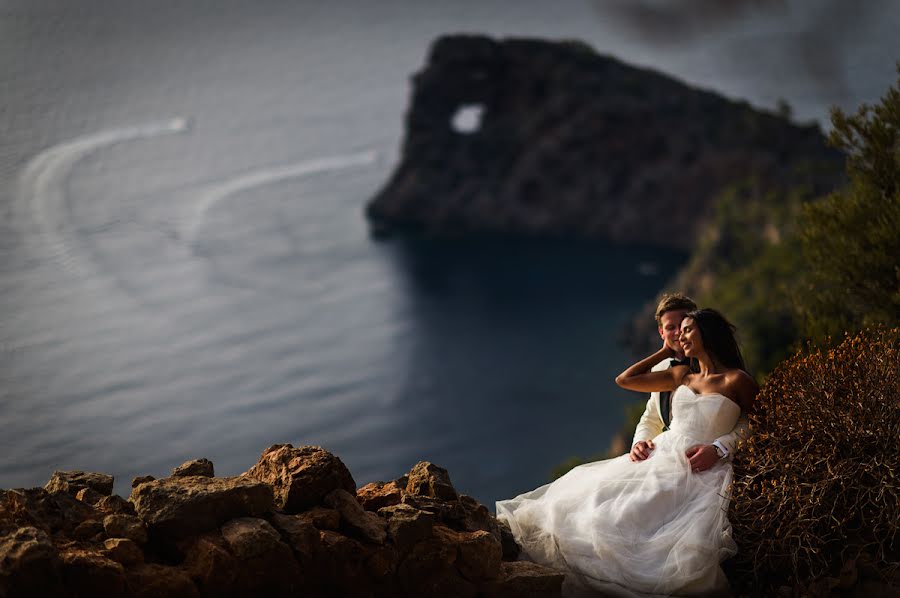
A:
702, 416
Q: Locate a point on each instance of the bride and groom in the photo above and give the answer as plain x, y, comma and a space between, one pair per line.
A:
653, 521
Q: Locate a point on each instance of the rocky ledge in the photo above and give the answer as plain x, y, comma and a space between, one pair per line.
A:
536, 138
294, 524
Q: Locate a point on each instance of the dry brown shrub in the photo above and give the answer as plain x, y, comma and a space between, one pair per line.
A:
817, 486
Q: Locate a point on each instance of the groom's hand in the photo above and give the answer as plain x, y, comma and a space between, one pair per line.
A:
701, 457
641, 450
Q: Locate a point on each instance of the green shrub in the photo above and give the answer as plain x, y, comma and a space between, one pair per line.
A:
817, 487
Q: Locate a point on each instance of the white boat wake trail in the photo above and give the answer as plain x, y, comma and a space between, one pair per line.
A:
42, 183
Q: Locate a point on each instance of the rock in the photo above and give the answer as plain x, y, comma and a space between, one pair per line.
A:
464, 514
300, 535
71, 482
88, 573
89, 496
322, 518
511, 549
141, 479
479, 555
201, 467
342, 563
121, 525
427, 479
577, 144
115, 504
29, 564
356, 520
154, 581
180, 506
301, 477
211, 566
523, 579
377, 495
267, 565
123, 551
406, 525
88, 530
424, 571
60, 512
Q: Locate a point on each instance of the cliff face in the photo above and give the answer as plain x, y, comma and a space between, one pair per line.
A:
577, 144
294, 524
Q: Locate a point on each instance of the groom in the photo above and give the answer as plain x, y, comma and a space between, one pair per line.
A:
656, 417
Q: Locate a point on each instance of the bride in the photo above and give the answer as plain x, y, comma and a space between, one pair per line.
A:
655, 526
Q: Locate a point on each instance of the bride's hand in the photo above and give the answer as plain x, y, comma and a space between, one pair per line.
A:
641, 450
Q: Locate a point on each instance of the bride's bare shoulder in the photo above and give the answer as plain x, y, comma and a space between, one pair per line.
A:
742, 387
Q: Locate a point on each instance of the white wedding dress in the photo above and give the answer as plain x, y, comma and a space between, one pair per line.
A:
651, 527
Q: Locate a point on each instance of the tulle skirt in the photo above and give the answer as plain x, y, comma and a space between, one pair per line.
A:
652, 527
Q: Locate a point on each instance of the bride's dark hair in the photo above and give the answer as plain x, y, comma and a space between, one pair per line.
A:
718, 337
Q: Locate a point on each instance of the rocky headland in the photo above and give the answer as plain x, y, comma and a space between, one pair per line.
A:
294, 524
549, 139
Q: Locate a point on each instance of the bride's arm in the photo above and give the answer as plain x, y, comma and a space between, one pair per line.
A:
639, 377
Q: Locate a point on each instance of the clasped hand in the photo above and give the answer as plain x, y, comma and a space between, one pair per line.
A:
700, 456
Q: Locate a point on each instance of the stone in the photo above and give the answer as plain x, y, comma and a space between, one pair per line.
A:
428, 563
377, 495
356, 520
71, 482
427, 479
301, 535
115, 504
523, 579
88, 530
89, 496
406, 525
154, 581
141, 479
342, 563
177, 507
266, 564
322, 518
89, 573
201, 467
465, 513
479, 555
511, 549
301, 477
60, 512
210, 565
121, 525
123, 551
29, 564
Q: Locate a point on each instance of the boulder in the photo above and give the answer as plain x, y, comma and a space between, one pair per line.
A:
154, 581
89, 573
301, 477
115, 504
427, 479
141, 479
121, 525
376, 495
322, 518
210, 564
406, 525
523, 579
89, 530
89, 496
71, 482
342, 564
511, 549
428, 569
301, 535
123, 551
479, 555
29, 564
60, 512
266, 565
177, 507
201, 467
356, 520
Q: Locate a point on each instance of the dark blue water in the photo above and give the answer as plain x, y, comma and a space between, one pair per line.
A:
185, 270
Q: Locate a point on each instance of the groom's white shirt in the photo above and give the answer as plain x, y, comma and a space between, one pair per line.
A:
651, 424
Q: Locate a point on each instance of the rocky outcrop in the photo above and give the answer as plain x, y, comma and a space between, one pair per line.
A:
561, 141
293, 525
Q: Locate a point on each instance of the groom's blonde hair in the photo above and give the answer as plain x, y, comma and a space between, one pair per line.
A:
672, 302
